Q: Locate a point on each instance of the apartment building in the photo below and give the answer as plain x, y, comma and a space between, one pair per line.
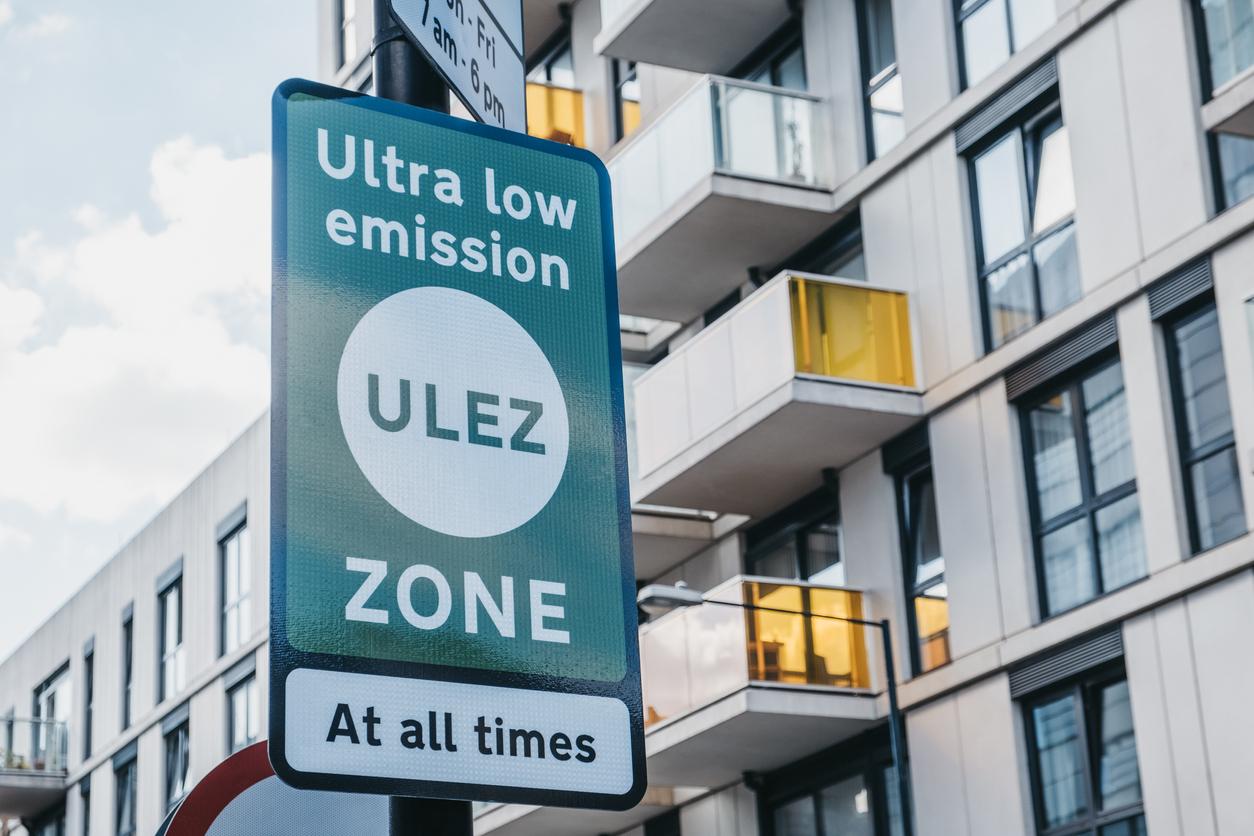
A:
940, 313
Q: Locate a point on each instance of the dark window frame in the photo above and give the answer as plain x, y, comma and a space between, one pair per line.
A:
59, 675
128, 670
867, 756
225, 607
960, 16
795, 523
249, 681
1031, 123
559, 42
129, 768
165, 654
181, 731
872, 83
1190, 456
84, 795
89, 698
766, 56
1082, 688
622, 72
1071, 382
907, 528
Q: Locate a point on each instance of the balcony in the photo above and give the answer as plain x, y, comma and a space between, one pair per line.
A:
32, 766
555, 113
729, 690
733, 174
809, 372
688, 34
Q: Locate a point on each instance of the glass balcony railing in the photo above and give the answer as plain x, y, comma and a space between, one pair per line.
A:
33, 746
694, 656
851, 331
555, 113
720, 126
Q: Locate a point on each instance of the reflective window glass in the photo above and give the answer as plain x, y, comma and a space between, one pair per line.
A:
999, 190
985, 40
1057, 270
1229, 26
1060, 761
1118, 781
1086, 510
846, 809
1207, 442
1055, 190
1056, 463
1236, 167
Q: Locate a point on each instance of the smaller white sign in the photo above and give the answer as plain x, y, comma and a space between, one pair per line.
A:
382, 726
477, 45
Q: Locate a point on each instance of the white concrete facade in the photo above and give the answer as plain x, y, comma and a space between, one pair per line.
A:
1131, 96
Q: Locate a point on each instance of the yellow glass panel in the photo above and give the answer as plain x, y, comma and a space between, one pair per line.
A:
839, 647
931, 618
555, 113
814, 650
777, 641
631, 117
856, 333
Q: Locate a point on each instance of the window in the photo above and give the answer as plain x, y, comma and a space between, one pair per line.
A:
626, 98
1086, 515
884, 104
243, 714
170, 640
926, 590
803, 541
128, 671
850, 790
557, 67
1208, 453
176, 762
235, 553
1229, 30
990, 31
89, 698
49, 824
1233, 156
84, 795
124, 778
1025, 232
1083, 760
53, 703
837, 252
348, 31
779, 62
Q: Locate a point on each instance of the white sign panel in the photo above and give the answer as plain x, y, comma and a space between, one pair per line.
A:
477, 45
389, 727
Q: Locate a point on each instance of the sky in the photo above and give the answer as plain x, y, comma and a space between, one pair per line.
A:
134, 266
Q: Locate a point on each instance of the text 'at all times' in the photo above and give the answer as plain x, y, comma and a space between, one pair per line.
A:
473, 254
437, 732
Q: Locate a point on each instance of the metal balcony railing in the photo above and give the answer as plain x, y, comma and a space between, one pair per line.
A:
555, 113
720, 126
692, 657
33, 746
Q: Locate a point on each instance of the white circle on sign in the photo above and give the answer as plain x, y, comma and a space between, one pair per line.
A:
453, 412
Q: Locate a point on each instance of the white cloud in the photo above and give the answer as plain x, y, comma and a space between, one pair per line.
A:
46, 26
6, 12
120, 407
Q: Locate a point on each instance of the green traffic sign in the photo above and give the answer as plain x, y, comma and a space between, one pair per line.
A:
452, 585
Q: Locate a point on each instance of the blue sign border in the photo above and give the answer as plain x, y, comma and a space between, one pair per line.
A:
284, 658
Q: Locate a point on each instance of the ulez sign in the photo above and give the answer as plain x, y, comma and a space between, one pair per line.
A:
452, 591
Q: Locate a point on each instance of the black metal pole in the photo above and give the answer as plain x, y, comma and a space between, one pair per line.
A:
402, 73
895, 732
